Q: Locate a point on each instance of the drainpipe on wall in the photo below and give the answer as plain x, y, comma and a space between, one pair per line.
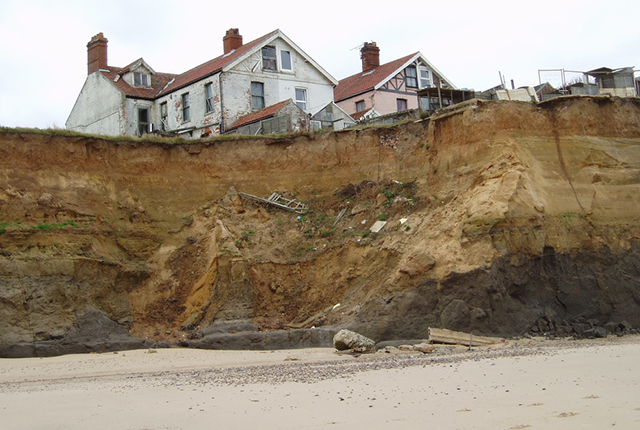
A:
221, 104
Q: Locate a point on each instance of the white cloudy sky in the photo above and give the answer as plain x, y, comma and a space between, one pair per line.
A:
43, 50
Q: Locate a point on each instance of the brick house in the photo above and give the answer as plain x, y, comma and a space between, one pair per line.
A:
206, 100
387, 88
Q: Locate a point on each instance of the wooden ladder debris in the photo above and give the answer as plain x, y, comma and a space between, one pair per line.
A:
277, 200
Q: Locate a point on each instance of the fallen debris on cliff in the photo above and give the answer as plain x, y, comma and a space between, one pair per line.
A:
502, 218
281, 202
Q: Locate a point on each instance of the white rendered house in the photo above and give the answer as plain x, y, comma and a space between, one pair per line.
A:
203, 101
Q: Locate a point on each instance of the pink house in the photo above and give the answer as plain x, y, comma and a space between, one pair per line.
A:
388, 88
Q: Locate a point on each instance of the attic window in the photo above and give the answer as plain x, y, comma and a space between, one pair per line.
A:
269, 58
285, 57
412, 77
141, 80
425, 78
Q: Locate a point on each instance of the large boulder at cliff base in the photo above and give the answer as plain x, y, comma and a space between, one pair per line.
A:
347, 340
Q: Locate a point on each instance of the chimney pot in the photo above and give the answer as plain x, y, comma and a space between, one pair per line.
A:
97, 53
232, 40
370, 54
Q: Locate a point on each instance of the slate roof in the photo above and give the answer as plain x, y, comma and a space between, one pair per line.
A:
363, 82
261, 114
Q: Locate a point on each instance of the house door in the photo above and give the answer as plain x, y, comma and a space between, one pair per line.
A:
143, 121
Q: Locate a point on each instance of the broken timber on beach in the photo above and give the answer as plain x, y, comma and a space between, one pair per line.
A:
277, 200
440, 335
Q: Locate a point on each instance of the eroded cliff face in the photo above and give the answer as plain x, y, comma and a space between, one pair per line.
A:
497, 214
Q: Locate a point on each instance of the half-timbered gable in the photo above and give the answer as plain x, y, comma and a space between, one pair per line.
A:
390, 87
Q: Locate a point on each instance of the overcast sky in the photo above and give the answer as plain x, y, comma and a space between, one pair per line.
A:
43, 56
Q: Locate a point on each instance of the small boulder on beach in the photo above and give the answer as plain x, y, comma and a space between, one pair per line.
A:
350, 341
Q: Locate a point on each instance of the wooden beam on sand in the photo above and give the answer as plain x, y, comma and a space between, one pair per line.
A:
440, 335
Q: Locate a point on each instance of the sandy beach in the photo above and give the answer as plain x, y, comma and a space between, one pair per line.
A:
526, 384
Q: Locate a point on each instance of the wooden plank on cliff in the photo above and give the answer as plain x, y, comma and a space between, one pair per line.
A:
440, 335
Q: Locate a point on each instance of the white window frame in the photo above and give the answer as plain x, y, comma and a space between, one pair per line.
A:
186, 107
301, 102
429, 77
208, 97
141, 80
282, 67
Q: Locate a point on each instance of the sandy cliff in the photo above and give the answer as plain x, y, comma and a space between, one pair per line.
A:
513, 215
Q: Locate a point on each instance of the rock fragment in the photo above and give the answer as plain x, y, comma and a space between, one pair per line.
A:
347, 340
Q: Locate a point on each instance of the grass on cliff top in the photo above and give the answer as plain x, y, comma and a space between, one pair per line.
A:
179, 140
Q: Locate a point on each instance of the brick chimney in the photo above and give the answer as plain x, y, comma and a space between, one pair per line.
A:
232, 40
370, 54
97, 53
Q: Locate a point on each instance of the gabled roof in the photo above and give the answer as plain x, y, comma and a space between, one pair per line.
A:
139, 62
265, 40
158, 80
165, 83
259, 115
373, 79
317, 109
216, 65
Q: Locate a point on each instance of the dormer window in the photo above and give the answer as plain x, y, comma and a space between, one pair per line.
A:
141, 80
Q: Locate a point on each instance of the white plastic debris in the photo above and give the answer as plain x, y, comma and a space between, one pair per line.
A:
377, 226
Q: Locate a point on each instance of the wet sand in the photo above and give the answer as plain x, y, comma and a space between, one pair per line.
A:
525, 384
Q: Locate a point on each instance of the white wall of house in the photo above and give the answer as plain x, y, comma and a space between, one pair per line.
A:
98, 108
279, 84
130, 123
102, 108
201, 120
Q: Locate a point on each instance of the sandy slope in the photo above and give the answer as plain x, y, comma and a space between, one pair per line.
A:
586, 385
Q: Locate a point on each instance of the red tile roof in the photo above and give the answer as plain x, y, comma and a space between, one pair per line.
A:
356, 116
363, 82
261, 114
212, 66
160, 80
